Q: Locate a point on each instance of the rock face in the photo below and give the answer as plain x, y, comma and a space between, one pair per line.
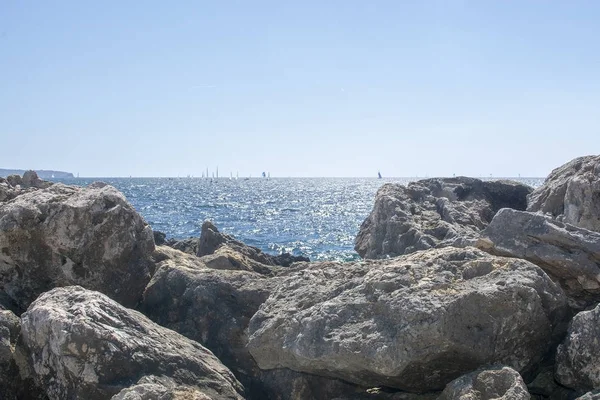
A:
211, 306
495, 383
412, 323
578, 357
569, 254
159, 388
66, 235
15, 376
214, 307
571, 193
85, 345
211, 240
434, 213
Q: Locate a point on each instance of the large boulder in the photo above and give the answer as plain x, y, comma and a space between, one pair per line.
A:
66, 235
571, 193
16, 380
413, 323
434, 213
210, 306
214, 307
569, 254
578, 357
85, 345
500, 383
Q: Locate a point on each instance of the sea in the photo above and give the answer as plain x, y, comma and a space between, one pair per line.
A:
314, 217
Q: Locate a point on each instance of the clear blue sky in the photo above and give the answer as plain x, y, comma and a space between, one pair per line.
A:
302, 88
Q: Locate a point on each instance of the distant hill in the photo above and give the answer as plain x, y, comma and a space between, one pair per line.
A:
42, 173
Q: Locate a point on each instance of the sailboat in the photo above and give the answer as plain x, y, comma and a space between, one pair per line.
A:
378, 175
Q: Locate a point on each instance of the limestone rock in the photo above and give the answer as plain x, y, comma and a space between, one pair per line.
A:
502, 383
571, 193
214, 307
85, 345
434, 213
14, 185
189, 245
159, 388
578, 357
227, 258
211, 240
66, 235
413, 323
30, 179
210, 306
569, 254
15, 375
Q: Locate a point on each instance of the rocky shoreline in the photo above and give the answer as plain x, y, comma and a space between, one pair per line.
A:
467, 290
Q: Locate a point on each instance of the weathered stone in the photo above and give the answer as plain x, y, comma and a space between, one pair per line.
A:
214, 308
207, 305
211, 240
502, 383
595, 395
85, 345
159, 388
578, 357
569, 254
413, 323
16, 381
30, 179
159, 238
544, 386
189, 245
434, 213
14, 185
227, 258
14, 180
66, 235
571, 193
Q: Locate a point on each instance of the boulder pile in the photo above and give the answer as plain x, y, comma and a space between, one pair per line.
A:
467, 290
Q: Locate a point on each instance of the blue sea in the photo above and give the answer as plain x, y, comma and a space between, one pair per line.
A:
314, 217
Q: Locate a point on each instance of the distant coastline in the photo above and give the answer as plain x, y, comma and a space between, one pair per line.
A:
42, 173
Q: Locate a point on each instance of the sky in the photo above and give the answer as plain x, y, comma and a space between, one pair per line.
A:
299, 88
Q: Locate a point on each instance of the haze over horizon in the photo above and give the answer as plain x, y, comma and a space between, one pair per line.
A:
341, 89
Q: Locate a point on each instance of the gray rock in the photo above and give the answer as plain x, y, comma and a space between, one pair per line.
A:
571, 193
578, 357
492, 383
30, 179
85, 345
413, 323
544, 386
159, 388
14, 180
211, 240
569, 254
434, 213
214, 307
14, 185
66, 235
595, 395
189, 245
159, 238
16, 380
227, 258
